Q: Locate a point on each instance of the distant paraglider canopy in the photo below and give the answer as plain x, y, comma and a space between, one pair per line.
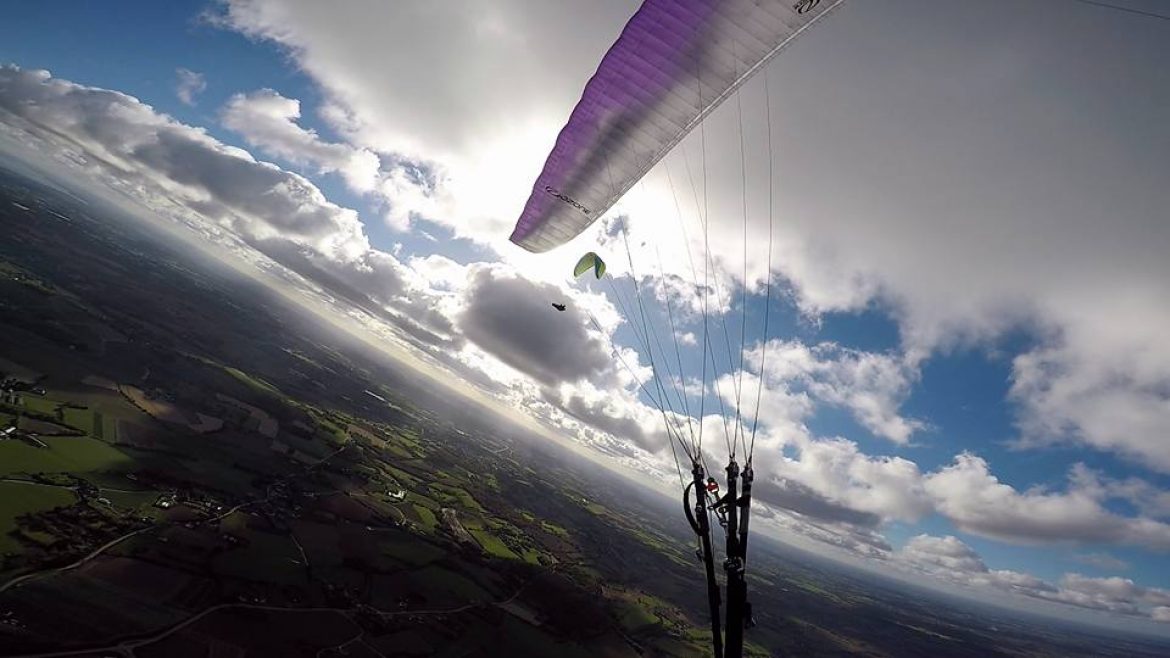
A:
590, 261
674, 63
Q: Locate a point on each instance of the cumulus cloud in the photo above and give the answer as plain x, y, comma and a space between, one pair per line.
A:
973, 498
832, 480
947, 553
793, 496
619, 414
837, 471
1101, 561
284, 216
491, 106
1074, 391
512, 318
380, 284
268, 121
128, 139
1114, 594
951, 559
189, 84
872, 386
858, 541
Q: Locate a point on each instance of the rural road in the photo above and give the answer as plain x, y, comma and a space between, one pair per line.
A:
96, 552
126, 648
36, 575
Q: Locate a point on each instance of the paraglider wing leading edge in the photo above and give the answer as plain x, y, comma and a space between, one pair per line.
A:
675, 61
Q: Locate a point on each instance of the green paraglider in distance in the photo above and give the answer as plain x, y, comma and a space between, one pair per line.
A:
590, 261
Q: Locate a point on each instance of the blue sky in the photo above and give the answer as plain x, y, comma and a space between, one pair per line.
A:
966, 260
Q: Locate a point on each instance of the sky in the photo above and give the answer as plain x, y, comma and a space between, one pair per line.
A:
965, 377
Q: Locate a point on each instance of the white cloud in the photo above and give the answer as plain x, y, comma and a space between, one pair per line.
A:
619, 413
178, 170
480, 105
942, 554
968, 494
951, 559
1101, 561
126, 139
1114, 594
268, 121
835, 472
512, 318
871, 386
189, 85
1145, 496
1100, 386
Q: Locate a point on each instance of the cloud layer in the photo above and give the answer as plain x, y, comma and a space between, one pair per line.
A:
950, 559
268, 122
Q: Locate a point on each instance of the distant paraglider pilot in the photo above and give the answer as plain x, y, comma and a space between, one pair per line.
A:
559, 307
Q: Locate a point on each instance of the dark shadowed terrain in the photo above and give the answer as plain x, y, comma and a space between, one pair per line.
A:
194, 467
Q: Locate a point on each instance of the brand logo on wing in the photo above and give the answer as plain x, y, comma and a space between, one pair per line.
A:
566, 198
805, 6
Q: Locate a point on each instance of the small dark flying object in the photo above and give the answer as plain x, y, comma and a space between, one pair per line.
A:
559, 307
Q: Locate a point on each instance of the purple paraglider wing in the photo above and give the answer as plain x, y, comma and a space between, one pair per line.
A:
675, 61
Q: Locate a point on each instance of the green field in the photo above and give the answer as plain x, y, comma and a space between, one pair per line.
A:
426, 517
40, 405
82, 419
330, 429
104, 427
454, 496
409, 550
18, 499
254, 383
314, 449
400, 452
464, 589
265, 558
554, 529
492, 545
406, 479
64, 455
97, 411
131, 500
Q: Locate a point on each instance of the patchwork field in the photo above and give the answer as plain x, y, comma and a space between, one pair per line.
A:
17, 499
